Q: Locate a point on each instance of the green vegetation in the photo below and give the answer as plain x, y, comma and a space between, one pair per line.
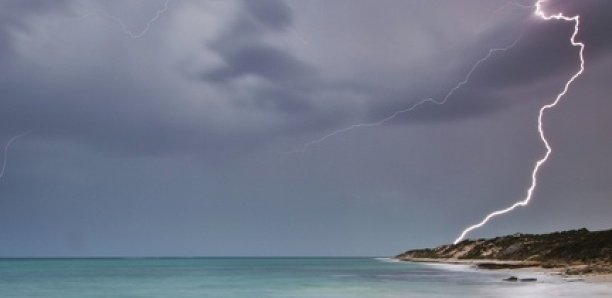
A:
575, 247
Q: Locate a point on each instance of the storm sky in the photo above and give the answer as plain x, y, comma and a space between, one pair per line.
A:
176, 131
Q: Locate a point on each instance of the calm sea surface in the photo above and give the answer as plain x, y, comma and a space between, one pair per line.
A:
269, 277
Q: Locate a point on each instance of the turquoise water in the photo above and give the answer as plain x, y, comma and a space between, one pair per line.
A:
268, 277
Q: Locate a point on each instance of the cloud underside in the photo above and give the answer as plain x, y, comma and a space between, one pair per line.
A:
249, 86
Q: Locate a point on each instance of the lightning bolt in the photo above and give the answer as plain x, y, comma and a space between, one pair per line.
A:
125, 29
415, 105
534, 174
6, 149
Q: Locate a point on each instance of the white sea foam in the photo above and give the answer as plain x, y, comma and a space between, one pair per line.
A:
387, 260
450, 267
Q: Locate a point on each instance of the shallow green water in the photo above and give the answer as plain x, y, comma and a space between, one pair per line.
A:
268, 277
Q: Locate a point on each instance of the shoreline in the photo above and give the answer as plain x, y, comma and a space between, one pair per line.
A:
515, 267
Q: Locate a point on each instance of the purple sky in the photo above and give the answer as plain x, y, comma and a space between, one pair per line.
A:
164, 130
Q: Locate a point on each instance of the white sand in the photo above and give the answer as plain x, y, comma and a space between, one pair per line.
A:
549, 272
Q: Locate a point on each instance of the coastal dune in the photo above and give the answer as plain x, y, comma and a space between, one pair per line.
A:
570, 253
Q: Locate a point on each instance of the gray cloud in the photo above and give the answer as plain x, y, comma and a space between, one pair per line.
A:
292, 92
275, 14
545, 47
185, 124
14, 16
260, 60
296, 95
289, 82
541, 54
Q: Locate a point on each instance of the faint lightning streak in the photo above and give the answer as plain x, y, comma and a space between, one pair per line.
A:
509, 3
129, 32
516, 4
414, 106
541, 161
6, 148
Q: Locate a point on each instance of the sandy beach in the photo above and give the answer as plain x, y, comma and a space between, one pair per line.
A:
523, 269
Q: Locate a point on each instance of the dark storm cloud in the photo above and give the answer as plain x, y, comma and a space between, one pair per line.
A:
107, 108
290, 81
295, 83
169, 144
463, 105
275, 14
143, 121
543, 52
260, 60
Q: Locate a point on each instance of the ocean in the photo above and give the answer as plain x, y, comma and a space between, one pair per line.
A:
271, 277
